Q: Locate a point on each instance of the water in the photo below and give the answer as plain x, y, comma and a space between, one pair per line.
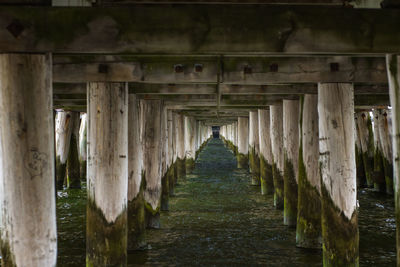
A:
218, 219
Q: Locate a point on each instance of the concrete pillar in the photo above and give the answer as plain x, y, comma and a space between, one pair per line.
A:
291, 156
338, 174
171, 153
385, 140
152, 159
267, 181
276, 121
190, 149
136, 212
393, 67
107, 174
361, 179
365, 134
64, 129
243, 142
73, 164
254, 148
180, 146
28, 211
308, 228
379, 173
164, 160
83, 145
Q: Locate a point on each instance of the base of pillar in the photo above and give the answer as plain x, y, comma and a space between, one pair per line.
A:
106, 243
290, 195
255, 180
61, 171
153, 220
136, 223
189, 165
278, 188
180, 169
266, 180
242, 161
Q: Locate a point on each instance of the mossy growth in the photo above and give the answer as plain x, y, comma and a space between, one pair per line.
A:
340, 235
73, 165
388, 171
189, 165
242, 161
290, 194
267, 181
361, 179
308, 229
278, 187
254, 161
136, 222
180, 169
7, 257
106, 242
61, 171
171, 179
368, 163
165, 192
379, 175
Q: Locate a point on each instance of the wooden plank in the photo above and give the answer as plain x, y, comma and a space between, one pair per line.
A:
199, 29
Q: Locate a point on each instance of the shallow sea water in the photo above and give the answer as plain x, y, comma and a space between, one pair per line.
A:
218, 219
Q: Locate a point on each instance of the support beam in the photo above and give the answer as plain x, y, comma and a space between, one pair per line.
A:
83, 146
393, 66
136, 210
27, 202
264, 128
171, 153
180, 146
308, 228
239, 29
338, 175
107, 174
379, 172
152, 149
164, 160
276, 120
64, 129
365, 134
243, 143
385, 140
254, 148
73, 165
291, 155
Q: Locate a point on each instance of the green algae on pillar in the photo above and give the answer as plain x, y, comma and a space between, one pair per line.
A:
385, 140
361, 179
338, 175
308, 228
180, 147
106, 230
152, 152
27, 186
267, 181
254, 148
136, 213
243, 143
291, 154
276, 121
393, 67
73, 164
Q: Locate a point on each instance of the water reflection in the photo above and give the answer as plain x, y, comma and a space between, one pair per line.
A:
217, 218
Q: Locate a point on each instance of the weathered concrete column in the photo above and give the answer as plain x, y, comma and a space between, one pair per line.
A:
190, 149
73, 164
64, 129
291, 157
254, 148
276, 121
83, 146
171, 153
107, 174
267, 181
393, 67
338, 174
28, 211
164, 160
152, 164
379, 173
385, 140
243, 142
136, 212
364, 131
235, 124
308, 228
361, 179
180, 147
